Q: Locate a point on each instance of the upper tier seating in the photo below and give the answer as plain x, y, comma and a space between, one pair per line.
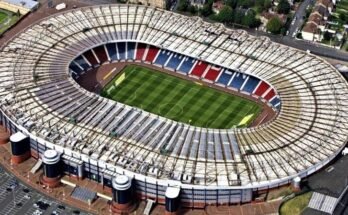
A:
212, 73
187, 65
251, 84
199, 68
162, 57
130, 51
141, 48
101, 54
238, 80
121, 48
174, 61
90, 57
151, 53
111, 47
225, 77
261, 89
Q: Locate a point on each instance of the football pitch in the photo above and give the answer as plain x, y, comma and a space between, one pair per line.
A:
180, 100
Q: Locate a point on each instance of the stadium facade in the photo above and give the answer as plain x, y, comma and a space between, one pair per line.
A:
40, 99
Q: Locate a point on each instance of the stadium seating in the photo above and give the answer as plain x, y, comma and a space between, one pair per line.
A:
174, 61
121, 49
81, 62
186, 65
294, 142
238, 80
270, 95
151, 54
225, 77
199, 69
212, 73
101, 54
140, 51
261, 89
91, 58
111, 47
251, 84
162, 57
130, 51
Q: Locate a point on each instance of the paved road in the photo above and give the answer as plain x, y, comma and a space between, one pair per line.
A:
298, 17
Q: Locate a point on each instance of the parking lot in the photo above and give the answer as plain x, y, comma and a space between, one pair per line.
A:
16, 198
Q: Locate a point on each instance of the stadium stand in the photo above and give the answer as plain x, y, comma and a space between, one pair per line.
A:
141, 47
151, 53
112, 52
211, 166
101, 54
130, 51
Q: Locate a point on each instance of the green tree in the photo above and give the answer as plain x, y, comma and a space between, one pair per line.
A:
238, 16
260, 5
183, 5
232, 3
207, 9
283, 7
225, 15
245, 3
267, 4
274, 25
327, 36
250, 19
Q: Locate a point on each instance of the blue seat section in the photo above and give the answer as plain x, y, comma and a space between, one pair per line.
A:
75, 68
225, 77
187, 65
237, 81
175, 61
111, 47
251, 84
275, 101
74, 76
162, 57
121, 50
130, 51
82, 62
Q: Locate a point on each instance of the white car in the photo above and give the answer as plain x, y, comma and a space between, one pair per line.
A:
345, 151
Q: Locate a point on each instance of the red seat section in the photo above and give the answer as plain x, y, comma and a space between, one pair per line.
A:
270, 95
140, 51
151, 54
261, 89
90, 57
199, 69
212, 73
101, 54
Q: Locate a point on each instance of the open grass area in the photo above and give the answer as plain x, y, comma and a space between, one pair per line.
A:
180, 100
7, 19
296, 205
3, 16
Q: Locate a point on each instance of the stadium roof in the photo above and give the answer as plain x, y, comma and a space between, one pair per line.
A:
38, 94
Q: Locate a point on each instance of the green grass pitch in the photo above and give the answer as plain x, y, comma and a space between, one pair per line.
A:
179, 99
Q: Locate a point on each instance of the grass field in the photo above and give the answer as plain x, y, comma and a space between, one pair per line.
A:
295, 206
179, 99
3, 16
7, 19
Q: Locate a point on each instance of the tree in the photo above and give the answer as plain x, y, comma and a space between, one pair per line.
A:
259, 5
250, 19
283, 7
238, 16
274, 25
232, 3
207, 8
267, 4
245, 3
327, 36
225, 15
183, 5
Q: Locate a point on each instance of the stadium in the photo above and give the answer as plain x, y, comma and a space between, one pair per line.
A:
171, 102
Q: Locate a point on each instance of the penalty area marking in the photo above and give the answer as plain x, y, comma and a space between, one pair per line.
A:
109, 73
173, 105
